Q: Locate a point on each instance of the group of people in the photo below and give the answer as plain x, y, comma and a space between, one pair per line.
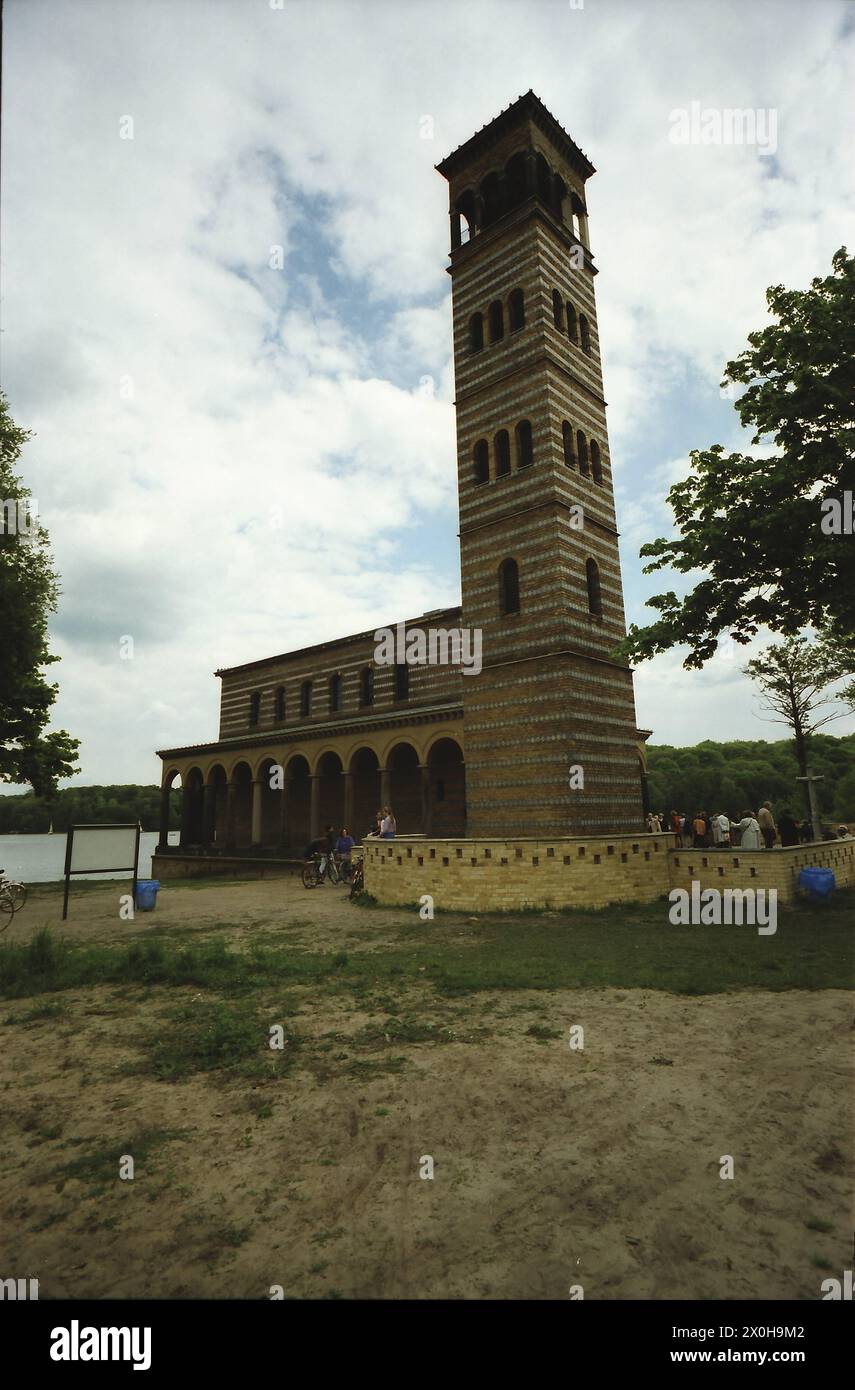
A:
338, 844
754, 830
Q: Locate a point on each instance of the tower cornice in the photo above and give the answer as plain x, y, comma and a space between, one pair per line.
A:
527, 107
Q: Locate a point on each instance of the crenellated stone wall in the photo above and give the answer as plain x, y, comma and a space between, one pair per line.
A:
494, 875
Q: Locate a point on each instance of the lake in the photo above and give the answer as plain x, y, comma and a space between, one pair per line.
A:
41, 858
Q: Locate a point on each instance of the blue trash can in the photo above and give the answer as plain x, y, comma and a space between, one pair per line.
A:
146, 897
818, 883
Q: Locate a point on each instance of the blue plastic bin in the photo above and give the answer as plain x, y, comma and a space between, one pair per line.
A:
818, 883
146, 898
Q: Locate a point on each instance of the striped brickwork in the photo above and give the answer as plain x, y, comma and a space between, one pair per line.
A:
551, 695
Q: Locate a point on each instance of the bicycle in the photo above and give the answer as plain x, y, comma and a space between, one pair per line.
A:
13, 895
357, 881
314, 874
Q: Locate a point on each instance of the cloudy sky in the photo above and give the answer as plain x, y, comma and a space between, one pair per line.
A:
231, 332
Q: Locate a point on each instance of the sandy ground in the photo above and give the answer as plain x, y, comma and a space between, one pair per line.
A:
553, 1167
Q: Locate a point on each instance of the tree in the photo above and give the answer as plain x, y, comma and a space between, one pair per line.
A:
758, 528
795, 677
29, 590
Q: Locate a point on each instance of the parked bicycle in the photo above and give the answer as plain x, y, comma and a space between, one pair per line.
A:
357, 880
318, 868
13, 895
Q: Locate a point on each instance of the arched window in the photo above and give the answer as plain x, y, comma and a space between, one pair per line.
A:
497, 321
491, 199
595, 601
502, 450
509, 587
402, 681
559, 193
557, 310
254, 707
366, 686
525, 447
476, 332
582, 451
516, 310
335, 693
596, 462
481, 462
515, 185
585, 334
572, 327
279, 705
305, 699
544, 180
567, 438
578, 214
466, 209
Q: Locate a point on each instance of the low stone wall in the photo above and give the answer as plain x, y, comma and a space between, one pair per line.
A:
762, 868
489, 875
480, 875
174, 866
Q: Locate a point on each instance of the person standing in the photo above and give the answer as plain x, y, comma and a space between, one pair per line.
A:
699, 827
653, 826
677, 828
749, 831
766, 821
787, 829
721, 831
343, 845
388, 826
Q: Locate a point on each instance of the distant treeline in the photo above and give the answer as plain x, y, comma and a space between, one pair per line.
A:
706, 777
733, 777
86, 806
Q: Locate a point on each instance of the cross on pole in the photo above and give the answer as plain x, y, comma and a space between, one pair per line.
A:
811, 778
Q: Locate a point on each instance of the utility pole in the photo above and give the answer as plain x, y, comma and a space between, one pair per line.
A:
814, 805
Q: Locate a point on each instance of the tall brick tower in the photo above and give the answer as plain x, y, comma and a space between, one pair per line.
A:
539, 544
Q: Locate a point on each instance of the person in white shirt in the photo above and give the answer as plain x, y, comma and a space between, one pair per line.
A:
750, 830
721, 831
387, 824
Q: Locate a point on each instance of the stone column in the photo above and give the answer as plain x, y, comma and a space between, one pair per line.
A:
163, 840
255, 833
209, 805
427, 800
348, 800
184, 836
456, 237
386, 787
530, 174
315, 808
231, 797
283, 814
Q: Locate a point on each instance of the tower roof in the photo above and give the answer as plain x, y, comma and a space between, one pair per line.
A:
528, 106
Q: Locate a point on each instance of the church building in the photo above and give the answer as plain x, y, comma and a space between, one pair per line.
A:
538, 738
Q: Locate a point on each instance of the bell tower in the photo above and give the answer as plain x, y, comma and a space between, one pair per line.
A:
549, 723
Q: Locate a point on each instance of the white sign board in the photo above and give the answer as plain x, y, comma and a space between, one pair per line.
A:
100, 849
95, 847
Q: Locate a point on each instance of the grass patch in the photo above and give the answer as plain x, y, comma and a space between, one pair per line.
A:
210, 1036
817, 1224
99, 1167
624, 947
52, 1008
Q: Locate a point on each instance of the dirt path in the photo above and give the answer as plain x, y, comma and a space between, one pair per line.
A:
553, 1167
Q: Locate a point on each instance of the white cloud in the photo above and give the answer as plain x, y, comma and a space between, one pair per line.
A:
144, 265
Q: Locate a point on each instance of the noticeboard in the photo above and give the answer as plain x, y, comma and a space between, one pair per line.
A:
101, 849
